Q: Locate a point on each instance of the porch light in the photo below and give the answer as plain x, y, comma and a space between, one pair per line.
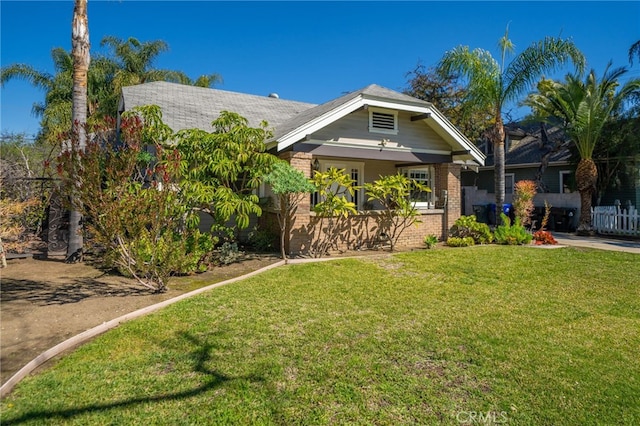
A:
316, 164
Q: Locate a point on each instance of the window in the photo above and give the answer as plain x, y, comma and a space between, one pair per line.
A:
383, 121
353, 170
423, 175
565, 182
508, 183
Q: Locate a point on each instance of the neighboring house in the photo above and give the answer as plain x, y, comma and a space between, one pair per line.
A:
532, 153
542, 154
370, 132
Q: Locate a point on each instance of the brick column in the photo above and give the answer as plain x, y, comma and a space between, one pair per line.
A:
448, 177
299, 236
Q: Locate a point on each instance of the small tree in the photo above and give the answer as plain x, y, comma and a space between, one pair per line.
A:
224, 168
288, 184
334, 188
393, 192
523, 194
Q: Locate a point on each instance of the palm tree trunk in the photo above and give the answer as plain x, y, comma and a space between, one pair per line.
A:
497, 138
80, 53
586, 178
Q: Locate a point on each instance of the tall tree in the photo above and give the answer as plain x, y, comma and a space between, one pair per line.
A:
448, 95
81, 59
492, 84
135, 64
128, 62
634, 51
584, 108
55, 110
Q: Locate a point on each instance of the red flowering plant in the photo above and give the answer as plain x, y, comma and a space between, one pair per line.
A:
541, 236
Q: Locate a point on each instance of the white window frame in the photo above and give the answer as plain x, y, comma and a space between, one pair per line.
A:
430, 171
511, 176
383, 111
347, 166
562, 180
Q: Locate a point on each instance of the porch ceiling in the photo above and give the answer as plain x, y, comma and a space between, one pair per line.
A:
372, 154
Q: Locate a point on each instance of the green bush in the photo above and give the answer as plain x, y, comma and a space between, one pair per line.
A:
229, 253
460, 242
430, 241
515, 234
466, 226
263, 239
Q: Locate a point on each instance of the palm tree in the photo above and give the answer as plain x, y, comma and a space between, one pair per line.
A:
492, 84
584, 107
135, 64
81, 60
634, 51
130, 62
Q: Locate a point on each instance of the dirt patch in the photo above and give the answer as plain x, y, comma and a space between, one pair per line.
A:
44, 302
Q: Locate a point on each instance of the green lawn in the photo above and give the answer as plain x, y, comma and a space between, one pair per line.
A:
490, 334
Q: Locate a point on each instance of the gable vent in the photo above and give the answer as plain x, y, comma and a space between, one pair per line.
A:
380, 120
383, 122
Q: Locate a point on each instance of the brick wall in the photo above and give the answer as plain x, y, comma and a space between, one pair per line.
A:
310, 233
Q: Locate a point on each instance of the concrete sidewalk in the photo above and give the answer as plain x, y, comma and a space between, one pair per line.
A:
598, 242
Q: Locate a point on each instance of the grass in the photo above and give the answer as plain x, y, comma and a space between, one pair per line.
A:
489, 334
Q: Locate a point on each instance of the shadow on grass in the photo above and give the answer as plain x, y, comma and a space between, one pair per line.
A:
200, 356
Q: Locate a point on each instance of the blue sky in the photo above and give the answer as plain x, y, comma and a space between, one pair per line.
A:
306, 51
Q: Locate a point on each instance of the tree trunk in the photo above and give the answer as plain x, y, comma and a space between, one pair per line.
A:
497, 138
80, 53
586, 178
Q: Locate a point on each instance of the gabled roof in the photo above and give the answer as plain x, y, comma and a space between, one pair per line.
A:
528, 145
196, 107
185, 107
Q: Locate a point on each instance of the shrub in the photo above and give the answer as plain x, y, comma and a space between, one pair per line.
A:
523, 194
460, 242
515, 234
467, 226
393, 192
262, 239
430, 241
543, 237
229, 253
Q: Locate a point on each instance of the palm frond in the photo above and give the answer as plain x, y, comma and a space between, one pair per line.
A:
541, 57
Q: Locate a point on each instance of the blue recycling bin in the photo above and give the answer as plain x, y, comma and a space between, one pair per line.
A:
506, 209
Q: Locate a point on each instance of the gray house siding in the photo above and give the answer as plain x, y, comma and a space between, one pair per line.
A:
354, 129
484, 180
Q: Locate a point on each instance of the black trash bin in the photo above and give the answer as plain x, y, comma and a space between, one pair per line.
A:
480, 212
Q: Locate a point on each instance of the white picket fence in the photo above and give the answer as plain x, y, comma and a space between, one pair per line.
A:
614, 220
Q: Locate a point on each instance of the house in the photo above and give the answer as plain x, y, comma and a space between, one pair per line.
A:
370, 132
544, 154
532, 152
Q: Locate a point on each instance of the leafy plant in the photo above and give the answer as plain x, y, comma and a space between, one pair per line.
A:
512, 234
334, 187
223, 169
467, 226
134, 206
430, 241
544, 237
460, 241
229, 253
399, 212
288, 184
262, 239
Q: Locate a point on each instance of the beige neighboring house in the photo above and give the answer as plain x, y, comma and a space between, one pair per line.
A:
370, 133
